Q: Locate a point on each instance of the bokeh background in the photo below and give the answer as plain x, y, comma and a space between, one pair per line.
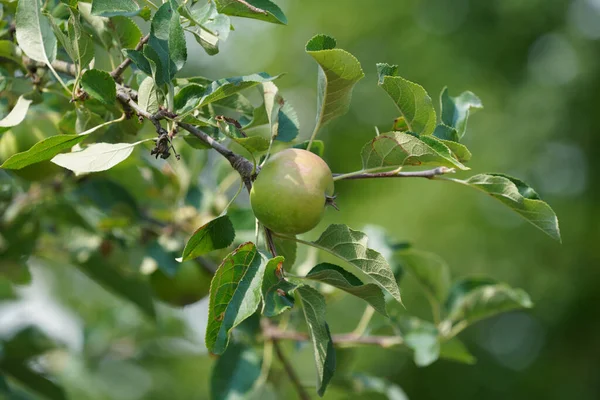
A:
536, 66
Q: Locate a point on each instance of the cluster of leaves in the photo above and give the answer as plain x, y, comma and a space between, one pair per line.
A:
67, 63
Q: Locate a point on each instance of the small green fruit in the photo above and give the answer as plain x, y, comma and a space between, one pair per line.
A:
189, 284
290, 192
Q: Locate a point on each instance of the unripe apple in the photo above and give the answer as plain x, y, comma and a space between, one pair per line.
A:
189, 284
291, 191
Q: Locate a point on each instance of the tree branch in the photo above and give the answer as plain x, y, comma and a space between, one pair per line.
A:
429, 174
290, 371
127, 97
117, 72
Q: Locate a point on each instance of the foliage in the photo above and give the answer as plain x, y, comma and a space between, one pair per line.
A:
116, 214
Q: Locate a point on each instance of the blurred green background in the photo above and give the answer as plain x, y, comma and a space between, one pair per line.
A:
536, 66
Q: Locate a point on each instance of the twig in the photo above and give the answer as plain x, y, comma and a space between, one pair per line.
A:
344, 340
270, 243
429, 174
252, 8
290, 371
118, 71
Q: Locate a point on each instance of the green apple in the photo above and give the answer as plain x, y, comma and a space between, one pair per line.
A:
189, 284
291, 191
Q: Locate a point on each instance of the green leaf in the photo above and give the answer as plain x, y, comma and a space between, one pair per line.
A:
217, 234
235, 373
398, 149
196, 96
460, 151
282, 118
100, 85
81, 42
455, 110
455, 350
16, 115
340, 278
445, 132
422, 337
313, 305
123, 285
166, 48
339, 71
7, 291
128, 33
519, 197
430, 270
317, 147
41, 151
207, 25
96, 157
463, 286
276, 290
111, 8
264, 10
253, 144
33, 381
412, 100
487, 301
235, 293
351, 246
139, 60
10, 51
34, 32
148, 96
368, 387
288, 249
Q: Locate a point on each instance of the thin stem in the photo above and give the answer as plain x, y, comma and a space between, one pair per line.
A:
429, 174
266, 364
59, 79
363, 324
340, 340
290, 371
118, 71
233, 198
269, 241
435, 308
315, 131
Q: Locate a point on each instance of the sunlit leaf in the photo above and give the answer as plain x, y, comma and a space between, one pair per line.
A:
339, 71
16, 115
111, 8
166, 50
217, 234
235, 293
313, 305
340, 278
411, 99
34, 32
351, 246
455, 110
486, 301
96, 157
264, 10
195, 96
397, 149
518, 196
